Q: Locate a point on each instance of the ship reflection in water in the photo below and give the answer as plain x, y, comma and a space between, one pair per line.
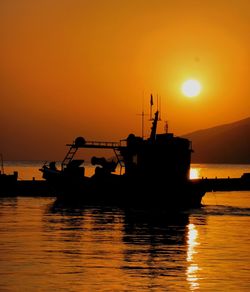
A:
47, 246
130, 250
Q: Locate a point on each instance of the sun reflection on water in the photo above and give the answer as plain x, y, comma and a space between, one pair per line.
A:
192, 267
194, 173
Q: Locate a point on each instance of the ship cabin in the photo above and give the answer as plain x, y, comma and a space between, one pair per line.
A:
161, 156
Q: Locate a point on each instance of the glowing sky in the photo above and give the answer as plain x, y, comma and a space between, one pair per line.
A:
77, 67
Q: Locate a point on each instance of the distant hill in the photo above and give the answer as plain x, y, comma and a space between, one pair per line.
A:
229, 143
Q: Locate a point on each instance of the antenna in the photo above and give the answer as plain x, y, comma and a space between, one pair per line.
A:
142, 116
151, 105
157, 99
158, 103
142, 124
159, 106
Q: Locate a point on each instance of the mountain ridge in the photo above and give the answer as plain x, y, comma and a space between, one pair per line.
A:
226, 143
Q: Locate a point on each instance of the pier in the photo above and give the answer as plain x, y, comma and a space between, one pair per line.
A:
26, 188
224, 184
40, 188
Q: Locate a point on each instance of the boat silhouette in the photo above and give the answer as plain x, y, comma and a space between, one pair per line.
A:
8, 182
154, 173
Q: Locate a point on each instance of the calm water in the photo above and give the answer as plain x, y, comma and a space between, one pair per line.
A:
46, 247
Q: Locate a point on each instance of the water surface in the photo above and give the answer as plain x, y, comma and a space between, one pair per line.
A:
45, 246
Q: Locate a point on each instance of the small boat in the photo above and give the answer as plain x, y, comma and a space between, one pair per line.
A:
8, 182
153, 172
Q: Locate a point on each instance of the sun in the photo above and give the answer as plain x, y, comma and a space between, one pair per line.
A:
191, 88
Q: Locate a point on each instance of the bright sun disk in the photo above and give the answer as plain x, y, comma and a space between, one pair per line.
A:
191, 88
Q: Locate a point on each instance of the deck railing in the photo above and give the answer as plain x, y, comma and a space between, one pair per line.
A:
97, 144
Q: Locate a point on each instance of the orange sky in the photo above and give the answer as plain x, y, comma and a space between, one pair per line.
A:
78, 67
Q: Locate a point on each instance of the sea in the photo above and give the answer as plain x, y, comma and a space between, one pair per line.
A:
45, 246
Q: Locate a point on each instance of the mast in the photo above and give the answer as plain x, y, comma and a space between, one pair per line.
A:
151, 105
154, 127
142, 124
142, 117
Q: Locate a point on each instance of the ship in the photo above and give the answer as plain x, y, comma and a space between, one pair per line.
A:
145, 172
153, 171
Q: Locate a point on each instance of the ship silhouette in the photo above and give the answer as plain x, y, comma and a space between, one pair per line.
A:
154, 172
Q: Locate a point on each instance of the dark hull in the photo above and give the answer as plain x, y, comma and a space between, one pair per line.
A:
8, 184
25, 188
128, 192
141, 192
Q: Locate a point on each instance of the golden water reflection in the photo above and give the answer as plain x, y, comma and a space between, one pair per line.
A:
192, 268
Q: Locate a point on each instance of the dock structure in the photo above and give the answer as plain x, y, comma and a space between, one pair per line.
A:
26, 188
40, 188
224, 184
